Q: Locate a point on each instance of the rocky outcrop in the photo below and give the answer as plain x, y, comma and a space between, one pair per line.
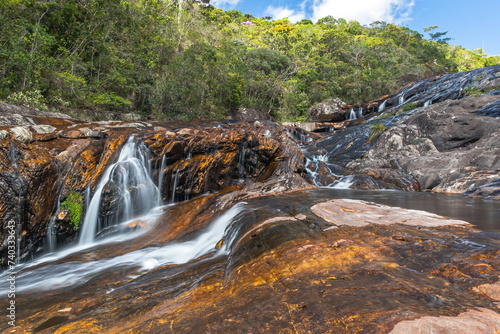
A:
46, 160
446, 147
429, 136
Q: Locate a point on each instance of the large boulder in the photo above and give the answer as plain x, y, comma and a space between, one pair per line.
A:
329, 110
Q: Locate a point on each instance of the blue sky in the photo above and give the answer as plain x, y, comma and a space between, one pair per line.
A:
471, 24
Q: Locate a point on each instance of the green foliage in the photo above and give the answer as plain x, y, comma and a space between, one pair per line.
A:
385, 115
73, 203
33, 99
376, 129
407, 107
201, 62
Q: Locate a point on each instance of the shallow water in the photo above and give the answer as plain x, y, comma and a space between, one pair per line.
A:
483, 214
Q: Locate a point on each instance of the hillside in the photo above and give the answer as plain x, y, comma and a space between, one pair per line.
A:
170, 61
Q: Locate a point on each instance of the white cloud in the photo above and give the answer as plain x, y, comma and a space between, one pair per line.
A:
282, 12
221, 3
364, 11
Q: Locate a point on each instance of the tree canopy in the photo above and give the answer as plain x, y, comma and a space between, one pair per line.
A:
189, 60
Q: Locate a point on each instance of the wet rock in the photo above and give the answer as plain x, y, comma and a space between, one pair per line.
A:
491, 110
445, 148
282, 273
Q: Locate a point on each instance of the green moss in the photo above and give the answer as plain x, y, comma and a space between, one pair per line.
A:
73, 203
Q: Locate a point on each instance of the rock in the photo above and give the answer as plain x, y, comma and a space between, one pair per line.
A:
131, 117
444, 148
3, 134
10, 109
331, 110
250, 114
21, 134
282, 273
481, 321
43, 128
360, 213
63, 216
491, 110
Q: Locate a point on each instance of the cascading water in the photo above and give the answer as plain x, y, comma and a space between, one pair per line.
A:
427, 103
51, 231
360, 112
57, 275
161, 174
352, 115
172, 200
381, 107
131, 180
344, 183
241, 161
401, 99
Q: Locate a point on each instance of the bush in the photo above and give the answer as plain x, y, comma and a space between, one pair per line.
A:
73, 203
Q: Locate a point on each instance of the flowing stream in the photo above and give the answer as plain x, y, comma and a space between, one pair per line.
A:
131, 177
55, 275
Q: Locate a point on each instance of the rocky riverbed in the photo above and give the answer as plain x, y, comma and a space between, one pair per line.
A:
220, 226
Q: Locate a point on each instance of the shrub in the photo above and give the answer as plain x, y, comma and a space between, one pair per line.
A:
73, 203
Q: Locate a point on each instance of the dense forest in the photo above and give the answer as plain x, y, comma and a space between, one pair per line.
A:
183, 60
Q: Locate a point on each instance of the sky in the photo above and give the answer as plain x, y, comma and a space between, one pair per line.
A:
471, 24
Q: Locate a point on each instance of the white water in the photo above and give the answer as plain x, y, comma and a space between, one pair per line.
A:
352, 114
344, 183
427, 103
172, 200
53, 276
360, 112
132, 179
401, 99
161, 174
51, 231
381, 107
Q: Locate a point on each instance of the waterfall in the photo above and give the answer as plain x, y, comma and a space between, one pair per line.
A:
172, 200
344, 183
360, 112
352, 114
241, 161
381, 107
131, 181
161, 174
51, 231
401, 99
56, 276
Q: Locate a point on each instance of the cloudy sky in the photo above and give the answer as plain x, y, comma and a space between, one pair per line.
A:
472, 24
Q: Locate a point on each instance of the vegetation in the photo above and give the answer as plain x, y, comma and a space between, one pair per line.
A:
376, 129
73, 203
147, 56
407, 107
